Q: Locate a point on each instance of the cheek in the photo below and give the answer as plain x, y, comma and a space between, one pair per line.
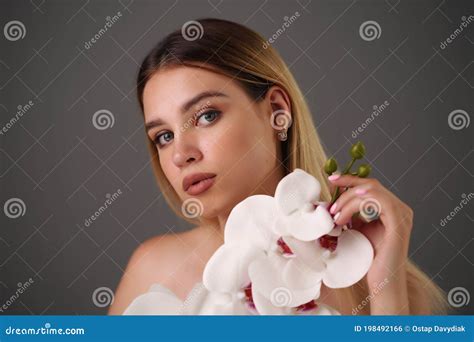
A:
168, 168
243, 149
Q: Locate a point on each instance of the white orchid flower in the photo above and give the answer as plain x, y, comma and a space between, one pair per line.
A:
159, 300
250, 244
342, 257
277, 252
301, 215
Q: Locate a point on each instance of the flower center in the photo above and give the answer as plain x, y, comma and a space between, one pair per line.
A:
311, 305
248, 295
328, 242
285, 249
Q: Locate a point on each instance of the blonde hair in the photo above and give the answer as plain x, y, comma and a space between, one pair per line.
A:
243, 55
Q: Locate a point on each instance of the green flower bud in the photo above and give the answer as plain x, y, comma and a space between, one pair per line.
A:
364, 170
358, 150
330, 166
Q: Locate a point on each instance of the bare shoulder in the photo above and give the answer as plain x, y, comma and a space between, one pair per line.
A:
152, 262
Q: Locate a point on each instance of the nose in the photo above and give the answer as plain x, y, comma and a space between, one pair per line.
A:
185, 151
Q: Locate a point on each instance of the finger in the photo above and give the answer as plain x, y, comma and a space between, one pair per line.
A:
350, 180
346, 196
344, 214
368, 208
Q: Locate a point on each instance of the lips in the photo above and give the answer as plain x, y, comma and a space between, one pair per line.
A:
193, 180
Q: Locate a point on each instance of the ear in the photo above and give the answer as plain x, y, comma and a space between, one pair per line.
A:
279, 105
278, 99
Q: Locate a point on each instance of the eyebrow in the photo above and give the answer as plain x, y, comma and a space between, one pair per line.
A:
186, 106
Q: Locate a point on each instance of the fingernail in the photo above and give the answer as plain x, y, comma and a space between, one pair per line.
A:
361, 192
337, 216
333, 177
333, 208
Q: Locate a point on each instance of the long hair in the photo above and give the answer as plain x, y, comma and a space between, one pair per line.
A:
241, 54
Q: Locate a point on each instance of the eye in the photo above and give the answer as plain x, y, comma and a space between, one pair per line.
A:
208, 117
163, 139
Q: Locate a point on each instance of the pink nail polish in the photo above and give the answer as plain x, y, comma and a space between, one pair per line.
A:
333, 177
337, 216
333, 208
361, 192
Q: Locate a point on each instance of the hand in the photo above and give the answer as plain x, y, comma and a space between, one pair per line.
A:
389, 233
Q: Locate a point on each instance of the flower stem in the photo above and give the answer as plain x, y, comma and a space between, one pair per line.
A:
336, 193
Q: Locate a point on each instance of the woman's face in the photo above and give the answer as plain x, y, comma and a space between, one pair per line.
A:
203, 122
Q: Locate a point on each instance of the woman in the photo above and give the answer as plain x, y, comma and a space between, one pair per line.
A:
209, 105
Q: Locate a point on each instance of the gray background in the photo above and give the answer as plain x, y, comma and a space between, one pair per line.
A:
62, 167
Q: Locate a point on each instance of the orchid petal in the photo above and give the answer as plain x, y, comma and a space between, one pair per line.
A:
350, 261
297, 275
309, 252
265, 307
227, 269
157, 301
296, 190
306, 226
266, 276
250, 222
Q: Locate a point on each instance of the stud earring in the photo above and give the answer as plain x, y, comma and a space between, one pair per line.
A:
282, 135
